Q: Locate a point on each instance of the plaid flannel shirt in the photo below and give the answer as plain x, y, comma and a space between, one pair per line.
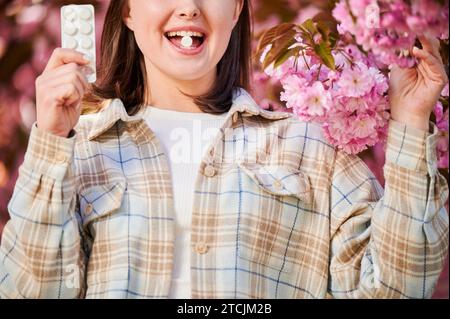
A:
277, 213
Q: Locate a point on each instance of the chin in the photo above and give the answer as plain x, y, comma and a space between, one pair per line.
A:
188, 75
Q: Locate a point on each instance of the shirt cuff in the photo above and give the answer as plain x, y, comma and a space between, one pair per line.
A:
412, 148
49, 154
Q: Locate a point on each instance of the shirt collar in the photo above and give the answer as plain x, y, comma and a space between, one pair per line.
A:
115, 110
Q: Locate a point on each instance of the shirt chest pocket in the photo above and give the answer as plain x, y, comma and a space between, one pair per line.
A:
269, 223
100, 202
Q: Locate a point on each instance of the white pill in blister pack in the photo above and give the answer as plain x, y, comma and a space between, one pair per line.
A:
78, 32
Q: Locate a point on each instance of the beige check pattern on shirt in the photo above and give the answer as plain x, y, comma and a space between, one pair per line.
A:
277, 213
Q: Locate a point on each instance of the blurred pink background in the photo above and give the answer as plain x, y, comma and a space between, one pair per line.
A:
30, 30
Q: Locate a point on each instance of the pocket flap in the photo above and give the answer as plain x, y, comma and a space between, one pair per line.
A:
100, 200
279, 180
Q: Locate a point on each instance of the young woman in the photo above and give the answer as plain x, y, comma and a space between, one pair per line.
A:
106, 207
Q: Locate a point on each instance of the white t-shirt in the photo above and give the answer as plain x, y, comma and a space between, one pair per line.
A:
185, 138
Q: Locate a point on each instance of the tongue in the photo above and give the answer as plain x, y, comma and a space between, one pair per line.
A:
196, 42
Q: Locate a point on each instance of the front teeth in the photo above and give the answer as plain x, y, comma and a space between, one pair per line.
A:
185, 34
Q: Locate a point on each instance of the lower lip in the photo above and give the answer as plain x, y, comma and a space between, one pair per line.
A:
185, 51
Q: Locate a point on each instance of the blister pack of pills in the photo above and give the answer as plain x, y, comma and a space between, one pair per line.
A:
78, 32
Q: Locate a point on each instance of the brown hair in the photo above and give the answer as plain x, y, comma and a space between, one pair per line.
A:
121, 70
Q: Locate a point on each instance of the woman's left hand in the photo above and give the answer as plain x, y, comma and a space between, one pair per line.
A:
414, 92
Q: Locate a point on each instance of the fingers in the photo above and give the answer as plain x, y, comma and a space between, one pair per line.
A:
64, 82
67, 94
431, 45
424, 55
71, 67
62, 56
431, 56
77, 83
396, 72
67, 73
432, 63
66, 88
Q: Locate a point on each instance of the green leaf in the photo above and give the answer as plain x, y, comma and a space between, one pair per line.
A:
279, 47
273, 35
327, 21
324, 52
309, 27
284, 57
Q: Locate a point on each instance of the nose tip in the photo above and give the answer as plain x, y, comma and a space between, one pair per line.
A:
189, 13
188, 16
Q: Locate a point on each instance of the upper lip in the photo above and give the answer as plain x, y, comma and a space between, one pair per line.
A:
187, 28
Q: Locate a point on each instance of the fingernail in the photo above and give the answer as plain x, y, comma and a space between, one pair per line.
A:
87, 58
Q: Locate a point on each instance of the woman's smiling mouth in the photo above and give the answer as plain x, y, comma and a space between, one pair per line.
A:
187, 40
177, 38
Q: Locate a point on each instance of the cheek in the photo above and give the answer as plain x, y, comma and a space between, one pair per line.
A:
146, 24
222, 38
148, 36
147, 43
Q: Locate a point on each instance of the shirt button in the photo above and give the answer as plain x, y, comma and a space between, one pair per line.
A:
201, 248
278, 185
61, 158
210, 171
89, 209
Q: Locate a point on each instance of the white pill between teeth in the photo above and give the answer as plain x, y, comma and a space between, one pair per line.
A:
187, 41
86, 28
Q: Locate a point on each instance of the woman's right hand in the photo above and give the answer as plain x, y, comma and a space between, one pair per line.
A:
59, 91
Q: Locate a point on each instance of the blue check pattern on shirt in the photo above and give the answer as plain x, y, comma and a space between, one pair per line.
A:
277, 213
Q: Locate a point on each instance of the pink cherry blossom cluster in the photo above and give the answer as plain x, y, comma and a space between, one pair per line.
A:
442, 123
389, 28
350, 102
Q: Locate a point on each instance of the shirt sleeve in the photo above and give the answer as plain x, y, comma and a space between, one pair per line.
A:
389, 243
41, 251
